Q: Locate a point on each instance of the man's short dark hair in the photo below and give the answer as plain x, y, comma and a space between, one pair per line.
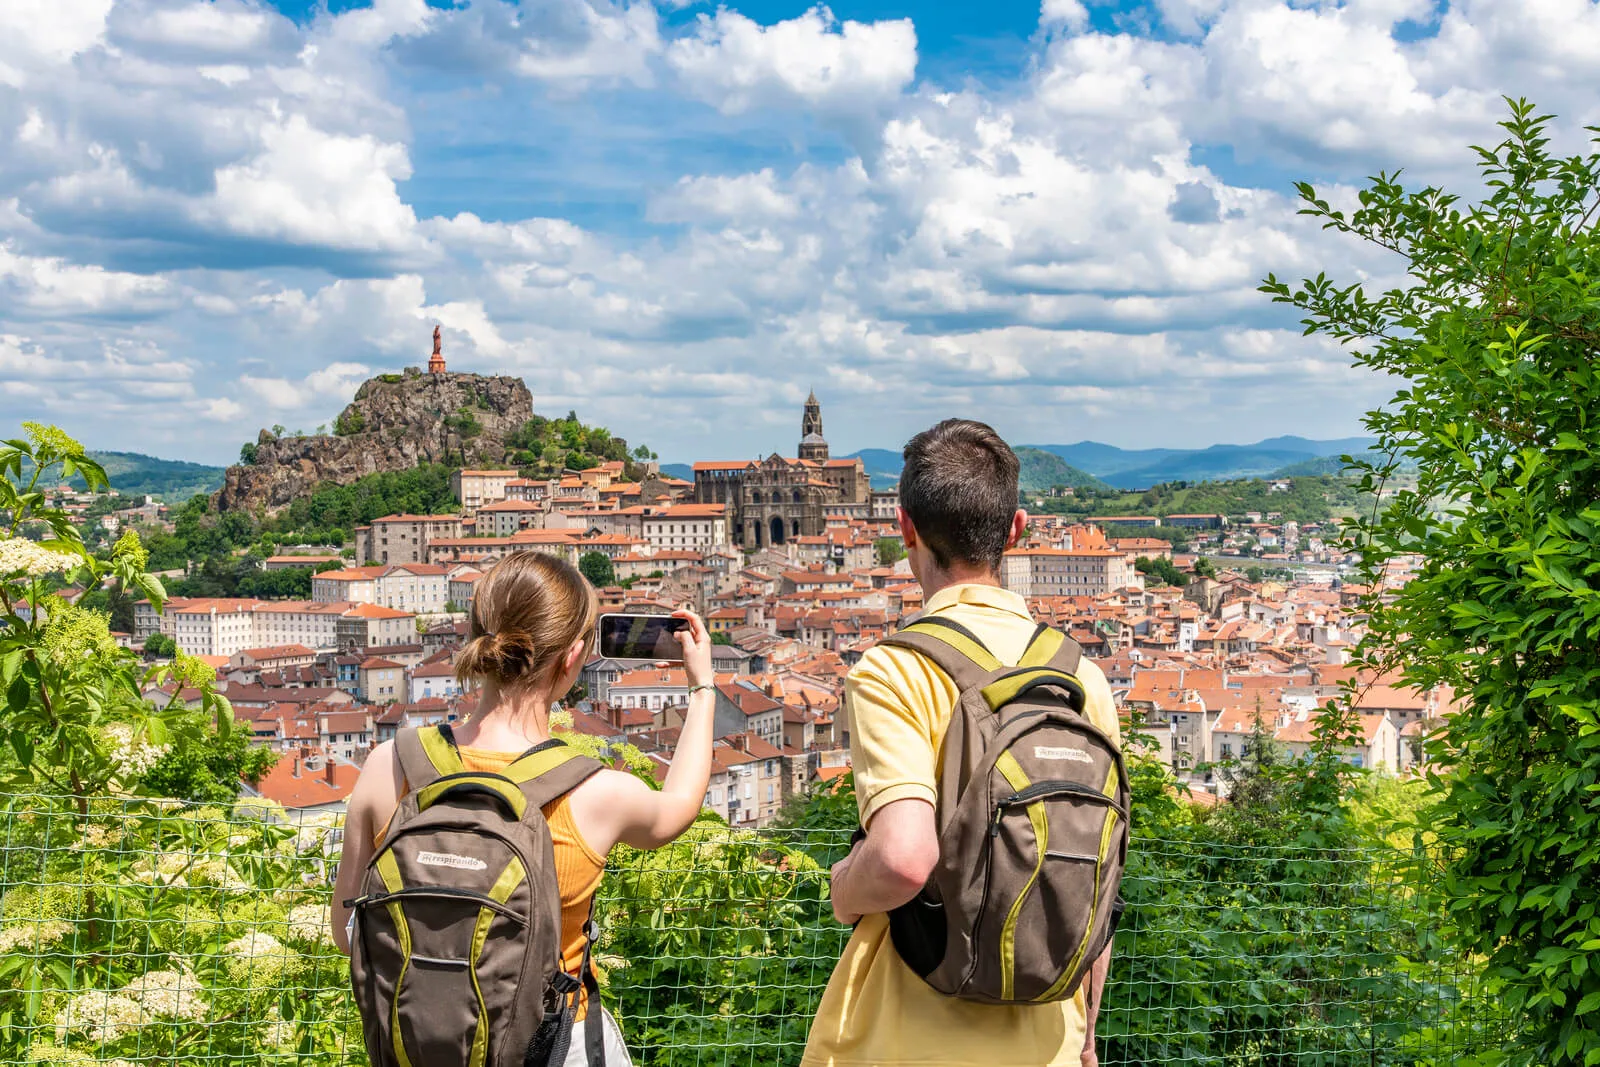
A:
959, 486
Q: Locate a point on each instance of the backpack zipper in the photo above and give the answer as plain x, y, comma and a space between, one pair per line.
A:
481, 899
1040, 790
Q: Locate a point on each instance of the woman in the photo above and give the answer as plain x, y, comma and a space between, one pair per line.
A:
533, 620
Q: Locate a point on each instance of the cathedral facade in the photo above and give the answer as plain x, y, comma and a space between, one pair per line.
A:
774, 500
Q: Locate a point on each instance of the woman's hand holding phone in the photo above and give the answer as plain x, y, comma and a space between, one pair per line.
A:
696, 643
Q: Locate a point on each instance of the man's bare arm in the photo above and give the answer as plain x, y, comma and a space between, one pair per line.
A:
892, 865
1094, 984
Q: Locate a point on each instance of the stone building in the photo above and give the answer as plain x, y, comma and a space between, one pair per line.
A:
774, 500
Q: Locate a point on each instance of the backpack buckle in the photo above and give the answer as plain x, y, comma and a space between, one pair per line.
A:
591, 930
564, 984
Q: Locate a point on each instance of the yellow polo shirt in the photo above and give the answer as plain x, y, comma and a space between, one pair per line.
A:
876, 1012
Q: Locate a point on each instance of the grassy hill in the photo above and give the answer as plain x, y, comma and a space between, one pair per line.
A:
1316, 498
1043, 470
133, 474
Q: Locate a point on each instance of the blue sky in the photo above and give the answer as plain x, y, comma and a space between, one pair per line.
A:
677, 218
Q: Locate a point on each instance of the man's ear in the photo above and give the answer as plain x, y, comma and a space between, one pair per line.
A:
1019, 527
908, 529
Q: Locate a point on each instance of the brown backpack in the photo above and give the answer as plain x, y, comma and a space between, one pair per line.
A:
455, 954
1033, 826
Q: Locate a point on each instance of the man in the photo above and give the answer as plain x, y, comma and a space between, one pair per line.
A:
958, 514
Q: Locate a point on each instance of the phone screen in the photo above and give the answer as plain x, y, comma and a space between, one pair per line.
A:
641, 637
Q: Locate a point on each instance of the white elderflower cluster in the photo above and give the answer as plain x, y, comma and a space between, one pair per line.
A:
102, 837
309, 923
20, 557
134, 755
100, 1015
315, 832
280, 1031
33, 936
173, 994
69, 1057
216, 871
259, 958
165, 868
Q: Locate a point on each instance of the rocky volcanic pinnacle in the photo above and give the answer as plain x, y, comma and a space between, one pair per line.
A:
396, 422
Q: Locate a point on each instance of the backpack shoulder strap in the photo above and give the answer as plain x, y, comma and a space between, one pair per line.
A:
1050, 647
954, 648
550, 770
426, 754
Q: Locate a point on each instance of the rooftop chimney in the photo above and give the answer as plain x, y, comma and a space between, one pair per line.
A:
327, 774
294, 767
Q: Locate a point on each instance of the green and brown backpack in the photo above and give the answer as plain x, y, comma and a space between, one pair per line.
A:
455, 949
1033, 826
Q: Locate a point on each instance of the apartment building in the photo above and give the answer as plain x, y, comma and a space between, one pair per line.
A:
507, 517
403, 538
416, 587
484, 551
1094, 572
694, 527
474, 488
227, 626
380, 681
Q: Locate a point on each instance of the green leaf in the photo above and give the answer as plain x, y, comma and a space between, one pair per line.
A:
19, 694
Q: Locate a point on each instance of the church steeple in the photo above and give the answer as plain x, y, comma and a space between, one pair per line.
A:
812, 444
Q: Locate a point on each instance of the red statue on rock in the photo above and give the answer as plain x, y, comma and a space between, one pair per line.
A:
436, 361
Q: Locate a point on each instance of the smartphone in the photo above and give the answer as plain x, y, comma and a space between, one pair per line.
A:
641, 637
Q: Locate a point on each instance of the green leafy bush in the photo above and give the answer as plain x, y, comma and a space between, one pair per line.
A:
1495, 333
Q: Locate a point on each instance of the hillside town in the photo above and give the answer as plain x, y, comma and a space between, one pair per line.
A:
796, 564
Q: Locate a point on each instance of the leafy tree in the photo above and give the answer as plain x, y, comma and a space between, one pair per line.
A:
350, 421
891, 550
160, 645
1495, 334
247, 453
210, 770
1204, 568
721, 638
1161, 569
597, 567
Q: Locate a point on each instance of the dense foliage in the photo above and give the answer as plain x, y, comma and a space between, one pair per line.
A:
1162, 571
75, 719
1496, 334
598, 568
543, 448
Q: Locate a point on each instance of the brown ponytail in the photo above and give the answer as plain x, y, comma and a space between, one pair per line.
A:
526, 612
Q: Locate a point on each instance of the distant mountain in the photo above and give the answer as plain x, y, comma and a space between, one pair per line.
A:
133, 474
1142, 468
678, 470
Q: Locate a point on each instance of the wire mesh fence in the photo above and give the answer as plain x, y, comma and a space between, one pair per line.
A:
144, 932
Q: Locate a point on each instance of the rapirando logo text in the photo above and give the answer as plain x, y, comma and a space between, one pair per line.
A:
1077, 755
450, 859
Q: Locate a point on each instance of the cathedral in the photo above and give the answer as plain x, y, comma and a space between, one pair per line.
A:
774, 500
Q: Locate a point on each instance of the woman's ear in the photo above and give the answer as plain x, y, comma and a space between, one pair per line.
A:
575, 656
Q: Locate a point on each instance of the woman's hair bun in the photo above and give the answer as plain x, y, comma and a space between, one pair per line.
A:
526, 612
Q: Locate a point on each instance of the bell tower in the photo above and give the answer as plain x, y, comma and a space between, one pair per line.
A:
436, 361
812, 444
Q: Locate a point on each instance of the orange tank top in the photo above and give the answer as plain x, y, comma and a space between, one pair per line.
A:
578, 869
